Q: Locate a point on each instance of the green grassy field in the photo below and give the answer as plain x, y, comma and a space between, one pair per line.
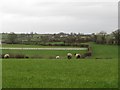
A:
43, 54
0, 74
63, 73
60, 73
104, 51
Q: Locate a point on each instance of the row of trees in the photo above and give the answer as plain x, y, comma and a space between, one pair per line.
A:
104, 38
45, 39
61, 38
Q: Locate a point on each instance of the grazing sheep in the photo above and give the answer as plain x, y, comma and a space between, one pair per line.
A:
57, 57
77, 56
6, 56
69, 55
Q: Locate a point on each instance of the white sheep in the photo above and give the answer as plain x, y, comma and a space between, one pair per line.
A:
6, 56
57, 57
69, 55
77, 56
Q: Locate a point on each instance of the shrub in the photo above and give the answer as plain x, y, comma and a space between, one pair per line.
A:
36, 56
89, 53
26, 57
12, 55
19, 56
84, 45
52, 57
2, 55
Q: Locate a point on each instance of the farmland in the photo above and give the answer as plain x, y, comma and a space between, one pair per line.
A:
47, 54
98, 71
59, 73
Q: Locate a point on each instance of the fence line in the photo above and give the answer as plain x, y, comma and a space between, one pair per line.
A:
45, 48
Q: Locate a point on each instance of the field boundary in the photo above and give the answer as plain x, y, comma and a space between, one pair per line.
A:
45, 48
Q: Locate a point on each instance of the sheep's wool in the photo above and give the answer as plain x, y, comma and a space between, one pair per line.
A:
69, 54
77, 55
57, 57
6, 55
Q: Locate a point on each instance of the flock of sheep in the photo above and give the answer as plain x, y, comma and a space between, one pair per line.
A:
77, 56
87, 54
69, 55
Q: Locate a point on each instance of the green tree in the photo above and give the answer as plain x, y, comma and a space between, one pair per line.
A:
109, 39
12, 38
101, 37
117, 36
44, 39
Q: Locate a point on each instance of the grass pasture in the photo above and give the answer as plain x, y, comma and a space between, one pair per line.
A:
105, 51
43, 54
62, 73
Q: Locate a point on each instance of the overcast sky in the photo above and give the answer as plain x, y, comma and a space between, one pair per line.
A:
53, 16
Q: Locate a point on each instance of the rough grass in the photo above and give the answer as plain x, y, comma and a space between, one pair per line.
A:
34, 73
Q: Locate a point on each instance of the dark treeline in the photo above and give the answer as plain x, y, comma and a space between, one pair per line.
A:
61, 39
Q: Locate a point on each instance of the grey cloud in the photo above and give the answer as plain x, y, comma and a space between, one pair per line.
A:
62, 16
56, 8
